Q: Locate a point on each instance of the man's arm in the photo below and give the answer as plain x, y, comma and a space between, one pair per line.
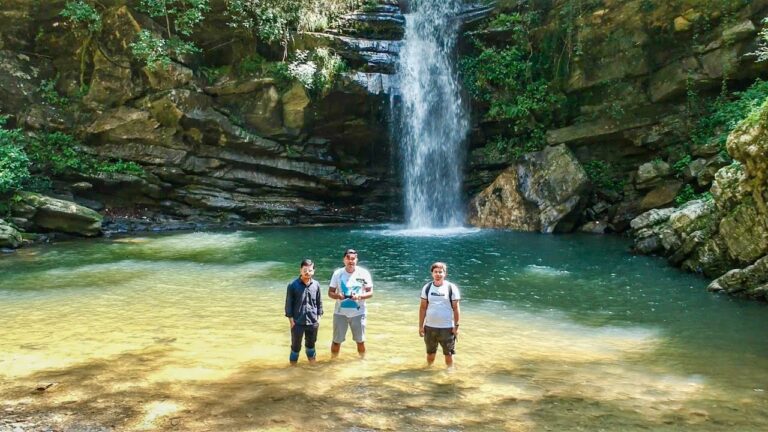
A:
289, 305
456, 316
333, 292
367, 288
367, 292
333, 287
422, 315
319, 302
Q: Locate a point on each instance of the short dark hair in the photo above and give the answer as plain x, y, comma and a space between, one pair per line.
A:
439, 264
350, 252
306, 262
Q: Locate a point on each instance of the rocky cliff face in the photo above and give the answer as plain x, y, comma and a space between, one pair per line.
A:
634, 69
240, 147
725, 238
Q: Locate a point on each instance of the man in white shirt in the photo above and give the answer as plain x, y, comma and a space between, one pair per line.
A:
439, 314
350, 286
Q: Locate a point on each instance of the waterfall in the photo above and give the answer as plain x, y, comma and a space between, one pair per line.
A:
431, 119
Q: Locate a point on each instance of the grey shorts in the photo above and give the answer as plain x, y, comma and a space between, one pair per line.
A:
340, 324
443, 336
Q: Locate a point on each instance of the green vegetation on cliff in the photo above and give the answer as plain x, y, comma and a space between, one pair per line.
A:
316, 69
14, 163
516, 82
603, 175
721, 116
537, 66
29, 161
268, 21
716, 120
86, 23
157, 51
84, 17
274, 20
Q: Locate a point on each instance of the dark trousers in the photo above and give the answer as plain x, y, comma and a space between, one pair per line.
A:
306, 332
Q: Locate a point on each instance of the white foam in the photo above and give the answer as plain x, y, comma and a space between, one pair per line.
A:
546, 270
403, 231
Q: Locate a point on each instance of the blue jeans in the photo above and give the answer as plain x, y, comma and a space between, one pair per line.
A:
306, 332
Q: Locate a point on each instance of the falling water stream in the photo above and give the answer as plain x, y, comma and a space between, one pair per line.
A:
432, 119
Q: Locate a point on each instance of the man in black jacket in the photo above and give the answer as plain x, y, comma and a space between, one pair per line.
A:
304, 307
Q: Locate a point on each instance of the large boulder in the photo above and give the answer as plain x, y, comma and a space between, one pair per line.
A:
544, 192
9, 236
51, 214
501, 205
726, 189
751, 281
661, 196
669, 231
651, 174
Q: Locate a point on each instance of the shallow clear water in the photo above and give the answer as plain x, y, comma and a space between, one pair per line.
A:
186, 332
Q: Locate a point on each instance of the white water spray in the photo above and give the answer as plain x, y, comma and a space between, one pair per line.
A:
431, 118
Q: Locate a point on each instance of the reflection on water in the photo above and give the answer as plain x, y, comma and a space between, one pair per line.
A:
186, 332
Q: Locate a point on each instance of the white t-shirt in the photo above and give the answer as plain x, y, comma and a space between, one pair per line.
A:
348, 284
439, 309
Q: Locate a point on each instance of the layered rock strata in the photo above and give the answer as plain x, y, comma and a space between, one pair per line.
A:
244, 148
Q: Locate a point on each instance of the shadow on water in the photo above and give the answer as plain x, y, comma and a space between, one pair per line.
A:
121, 393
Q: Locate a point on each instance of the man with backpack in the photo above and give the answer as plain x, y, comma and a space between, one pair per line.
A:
439, 314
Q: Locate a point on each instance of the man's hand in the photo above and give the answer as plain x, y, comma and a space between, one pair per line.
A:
421, 331
291, 322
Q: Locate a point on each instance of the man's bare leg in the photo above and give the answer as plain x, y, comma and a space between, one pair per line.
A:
361, 349
449, 360
335, 348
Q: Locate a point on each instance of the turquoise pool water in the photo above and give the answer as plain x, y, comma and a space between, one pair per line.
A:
187, 331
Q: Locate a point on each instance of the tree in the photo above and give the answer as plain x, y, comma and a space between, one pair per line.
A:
273, 20
180, 18
86, 22
14, 164
762, 42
